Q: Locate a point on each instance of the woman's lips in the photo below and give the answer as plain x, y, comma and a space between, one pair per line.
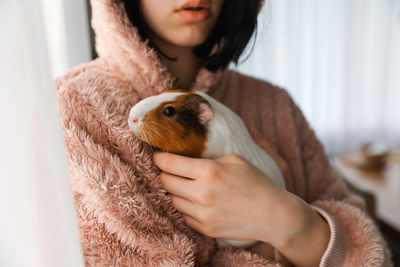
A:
195, 10
195, 15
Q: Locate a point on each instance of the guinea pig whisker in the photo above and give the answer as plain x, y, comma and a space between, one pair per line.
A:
160, 137
157, 133
146, 139
157, 124
149, 135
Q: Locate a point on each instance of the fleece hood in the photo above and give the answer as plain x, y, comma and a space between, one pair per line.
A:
120, 44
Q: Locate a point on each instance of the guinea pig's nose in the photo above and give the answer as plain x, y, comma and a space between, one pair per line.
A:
134, 120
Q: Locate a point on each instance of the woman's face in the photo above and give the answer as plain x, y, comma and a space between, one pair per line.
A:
184, 23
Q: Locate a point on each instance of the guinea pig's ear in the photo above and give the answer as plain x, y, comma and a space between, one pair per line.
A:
206, 113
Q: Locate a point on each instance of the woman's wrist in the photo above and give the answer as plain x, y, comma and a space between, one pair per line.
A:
304, 233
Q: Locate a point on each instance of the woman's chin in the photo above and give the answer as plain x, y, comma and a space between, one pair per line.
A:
188, 43
188, 38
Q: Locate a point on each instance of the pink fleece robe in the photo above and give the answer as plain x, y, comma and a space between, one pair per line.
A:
125, 217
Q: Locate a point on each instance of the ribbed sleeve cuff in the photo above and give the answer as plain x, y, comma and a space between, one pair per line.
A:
335, 253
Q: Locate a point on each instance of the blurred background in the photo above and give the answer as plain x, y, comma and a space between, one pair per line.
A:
339, 59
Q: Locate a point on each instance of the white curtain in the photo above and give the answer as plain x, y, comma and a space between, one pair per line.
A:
340, 60
38, 225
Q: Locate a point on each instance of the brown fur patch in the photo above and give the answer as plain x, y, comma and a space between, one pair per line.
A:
179, 90
183, 133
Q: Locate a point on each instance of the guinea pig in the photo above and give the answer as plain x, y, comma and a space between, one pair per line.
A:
192, 123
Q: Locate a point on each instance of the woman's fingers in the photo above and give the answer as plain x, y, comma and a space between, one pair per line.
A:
176, 185
193, 223
184, 206
191, 214
192, 168
188, 210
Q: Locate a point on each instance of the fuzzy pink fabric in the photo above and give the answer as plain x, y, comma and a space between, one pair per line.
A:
124, 215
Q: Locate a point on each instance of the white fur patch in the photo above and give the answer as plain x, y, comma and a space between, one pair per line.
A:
144, 106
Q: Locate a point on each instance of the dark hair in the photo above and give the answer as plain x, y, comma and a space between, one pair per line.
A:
235, 26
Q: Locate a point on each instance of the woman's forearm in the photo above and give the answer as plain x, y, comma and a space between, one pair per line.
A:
308, 234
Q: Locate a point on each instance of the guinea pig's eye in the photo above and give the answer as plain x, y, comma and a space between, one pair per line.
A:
169, 111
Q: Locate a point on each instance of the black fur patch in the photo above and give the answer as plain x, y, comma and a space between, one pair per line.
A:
188, 115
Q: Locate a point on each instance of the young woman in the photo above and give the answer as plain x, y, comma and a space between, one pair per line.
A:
125, 216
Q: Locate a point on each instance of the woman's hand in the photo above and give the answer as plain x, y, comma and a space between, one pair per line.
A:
230, 198
219, 198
